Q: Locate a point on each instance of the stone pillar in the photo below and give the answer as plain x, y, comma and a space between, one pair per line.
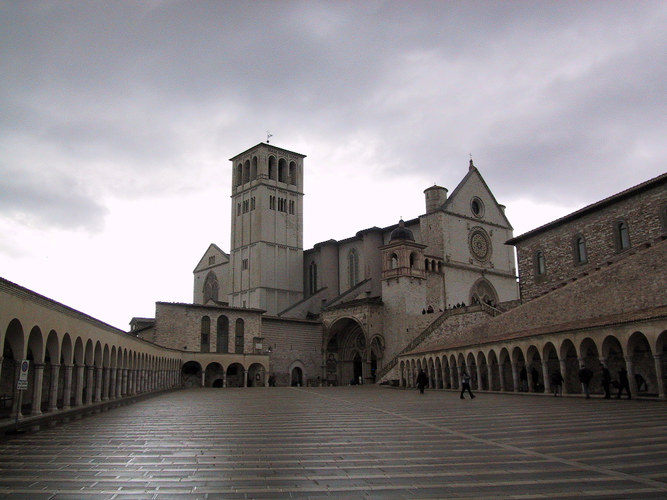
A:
515, 376
563, 371
631, 375
67, 387
546, 376
489, 374
122, 383
106, 383
89, 384
78, 397
245, 375
112, 382
98, 383
659, 373
479, 377
53, 388
38, 379
501, 373
224, 378
203, 379
18, 395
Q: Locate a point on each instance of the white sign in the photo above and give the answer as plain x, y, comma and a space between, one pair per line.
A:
22, 383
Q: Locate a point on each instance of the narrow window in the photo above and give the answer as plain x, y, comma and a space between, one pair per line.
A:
272, 167
353, 267
222, 337
312, 278
580, 250
292, 173
622, 236
245, 263
394, 261
205, 333
540, 264
239, 336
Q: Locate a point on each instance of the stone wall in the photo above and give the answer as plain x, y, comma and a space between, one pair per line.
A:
643, 213
293, 343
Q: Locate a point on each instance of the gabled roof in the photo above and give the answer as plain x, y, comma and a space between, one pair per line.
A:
472, 171
202, 264
633, 191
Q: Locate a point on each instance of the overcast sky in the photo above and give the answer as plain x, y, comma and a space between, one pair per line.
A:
117, 120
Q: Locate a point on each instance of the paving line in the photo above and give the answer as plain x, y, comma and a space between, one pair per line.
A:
573, 463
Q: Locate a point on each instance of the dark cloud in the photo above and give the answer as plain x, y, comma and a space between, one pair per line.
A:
123, 97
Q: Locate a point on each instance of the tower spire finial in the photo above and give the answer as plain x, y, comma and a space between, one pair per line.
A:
268, 136
472, 165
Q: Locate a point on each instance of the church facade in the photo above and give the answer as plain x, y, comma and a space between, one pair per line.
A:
342, 311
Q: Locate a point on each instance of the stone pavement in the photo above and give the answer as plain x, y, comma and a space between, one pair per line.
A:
346, 442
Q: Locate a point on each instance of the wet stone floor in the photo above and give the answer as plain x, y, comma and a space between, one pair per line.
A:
345, 442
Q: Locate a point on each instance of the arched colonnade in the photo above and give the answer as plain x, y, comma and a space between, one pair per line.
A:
526, 365
68, 369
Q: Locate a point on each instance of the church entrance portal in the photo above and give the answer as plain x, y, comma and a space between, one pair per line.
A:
350, 357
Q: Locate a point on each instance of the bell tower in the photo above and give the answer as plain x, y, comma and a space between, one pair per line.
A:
267, 228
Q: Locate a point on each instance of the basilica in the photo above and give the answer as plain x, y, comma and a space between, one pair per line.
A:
440, 292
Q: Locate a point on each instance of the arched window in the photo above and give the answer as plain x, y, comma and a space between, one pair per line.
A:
292, 173
621, 235
427, 265
211, 287
253, 169
282, 170
239, 336
353, 267
272, 167
394, 261
580, 256
205, 334
222, 337
540, 263
412, 260
312, 278
246, 171
239, 174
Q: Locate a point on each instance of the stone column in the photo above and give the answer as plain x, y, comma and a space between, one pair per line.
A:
53, 388
479, 377
67, 387
38, 379
631, 375
78, 397
245, 376
18, 395
106, 380
112, 382
515, 376
203, 379
563, 371
98, 383
501, 373
89, 384
659, 375
489, 374
546, 376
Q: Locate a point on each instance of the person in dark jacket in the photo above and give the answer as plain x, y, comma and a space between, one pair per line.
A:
557, 383
422, 381
606, 381
465, 385
623, 383
585, 376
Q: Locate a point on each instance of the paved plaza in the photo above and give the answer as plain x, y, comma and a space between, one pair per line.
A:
346, 442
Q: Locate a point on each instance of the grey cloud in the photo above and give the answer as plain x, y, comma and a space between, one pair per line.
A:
49, 199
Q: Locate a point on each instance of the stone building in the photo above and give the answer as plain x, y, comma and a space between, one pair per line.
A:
345, 309
592, 286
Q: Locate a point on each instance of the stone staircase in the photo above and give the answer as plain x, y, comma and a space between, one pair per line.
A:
491, 311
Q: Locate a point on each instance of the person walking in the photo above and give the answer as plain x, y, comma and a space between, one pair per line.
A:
606, 381
585, 376
623, 383
422, 381
465, 385
557, 383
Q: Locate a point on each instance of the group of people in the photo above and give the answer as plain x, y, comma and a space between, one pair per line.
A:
422, 382
585, 377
